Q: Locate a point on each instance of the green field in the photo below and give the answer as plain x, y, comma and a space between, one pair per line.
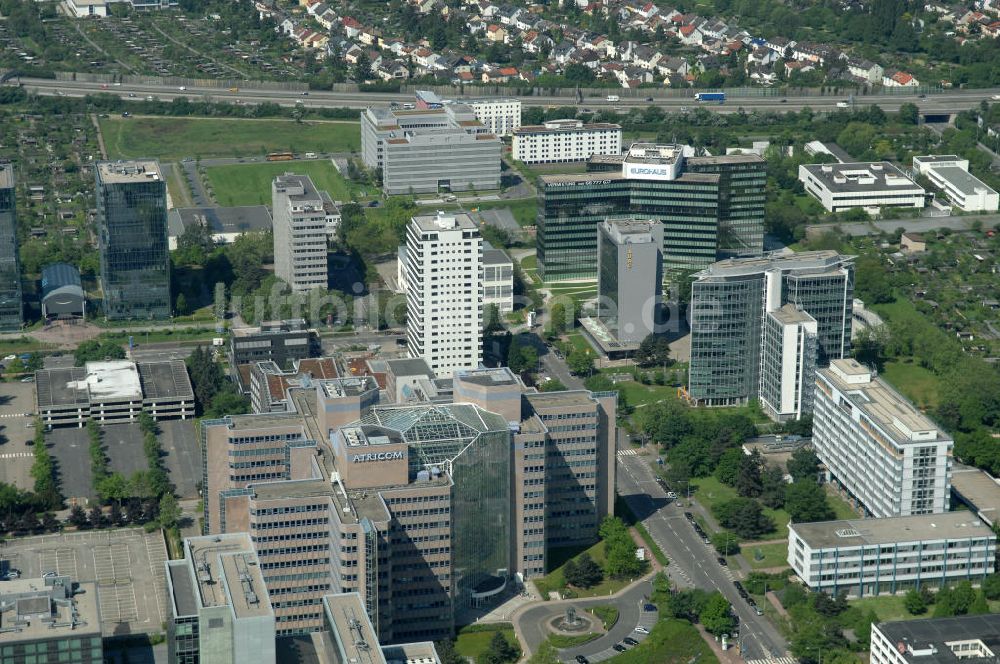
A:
472, 644
523, 209
172, 139
670, 640
250, 184
841, 508
711, 491
774, 555
918, 384
554, 580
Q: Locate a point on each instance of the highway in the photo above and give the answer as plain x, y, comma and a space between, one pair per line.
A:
692, 563
948, 101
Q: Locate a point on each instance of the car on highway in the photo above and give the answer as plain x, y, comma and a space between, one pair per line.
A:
996, 97
580, 659
131, 94
784, 101
649, 99
305, 93
619, 647
182, 88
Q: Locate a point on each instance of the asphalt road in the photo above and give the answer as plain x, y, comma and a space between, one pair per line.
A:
532, 622
692, 563
948, 101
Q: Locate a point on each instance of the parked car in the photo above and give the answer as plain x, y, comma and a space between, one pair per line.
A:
619, 647
641, 630
649, 607
580, 659
12, 574
630, 641
722, 561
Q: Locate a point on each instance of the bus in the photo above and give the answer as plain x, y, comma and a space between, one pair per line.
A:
280, 156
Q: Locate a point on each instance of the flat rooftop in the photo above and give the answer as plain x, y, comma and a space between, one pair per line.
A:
227, 573
6, 176
35, 609
820, 262
443, 221
128, 172
220, 220
887, 408
565, 126
61, 387
352, 631
488, 377
858, 532
292, 489
165, 380
963, 180
653, 153
919, 635
292, 181
978, 489
542, 400
348, 387
629, 231
726, 159
862, 176
789, 314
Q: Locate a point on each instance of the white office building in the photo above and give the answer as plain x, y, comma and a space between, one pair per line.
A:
890, 457
862, 557
937, 640
950, 173
565, 140
300, 220
870, 185
444, 292
498, 279
789, 352
500, 116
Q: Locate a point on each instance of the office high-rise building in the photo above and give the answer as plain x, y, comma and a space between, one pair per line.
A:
730, 301
220, 608
444, 293
710, 207
300, 256
132, 239
888, 455
630, 276
788, 363
10, 269
423, 509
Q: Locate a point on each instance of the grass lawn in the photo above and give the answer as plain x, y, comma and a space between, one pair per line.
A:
474, 643
250, 184
638, 394
21, 345
560, 641
670, 640
179, 138
890, 607
554, 579
775, 555
608, 614
529, 262
711, 491
523, 209
918, 384
841, 508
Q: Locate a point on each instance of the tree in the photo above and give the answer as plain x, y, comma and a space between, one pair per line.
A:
500, 651
654, 350
582, 573
909, 114
181, 305
915, 602
805, 501
744, 516
554, 385
748, 483
569, 572
991, 586
557, 319
580, 361
803, 464
716, 615
170, 511
687, 604
194, 245
979, 605
726, 543
619, 549
78, 518
96, 350
35, 362
362, 68
95, 516
728, 467
772, 487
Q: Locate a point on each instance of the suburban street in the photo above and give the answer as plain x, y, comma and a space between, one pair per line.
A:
692, 563
944, 102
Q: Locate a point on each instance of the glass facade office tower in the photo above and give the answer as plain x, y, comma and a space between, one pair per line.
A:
10, 272
132, 239
710, 208
729, 303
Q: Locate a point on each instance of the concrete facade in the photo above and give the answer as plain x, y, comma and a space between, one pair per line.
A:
48, 621
565, 140
11, 309
300, 253
789, 352
868, 185
875, 444
629, 278
950, 174
937, 640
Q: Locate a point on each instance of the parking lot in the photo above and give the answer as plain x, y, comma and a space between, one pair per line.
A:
126, 564
179, 439
17, 432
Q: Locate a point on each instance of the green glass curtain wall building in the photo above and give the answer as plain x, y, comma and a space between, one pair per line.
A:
11, 312
132, 239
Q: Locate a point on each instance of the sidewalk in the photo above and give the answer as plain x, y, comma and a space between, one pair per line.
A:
730, 656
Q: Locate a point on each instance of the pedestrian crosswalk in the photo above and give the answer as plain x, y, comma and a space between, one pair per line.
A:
625, 453
16, 455
3, 415
773, 660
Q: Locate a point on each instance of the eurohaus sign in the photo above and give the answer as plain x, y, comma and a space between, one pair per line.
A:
377, 456
647, 172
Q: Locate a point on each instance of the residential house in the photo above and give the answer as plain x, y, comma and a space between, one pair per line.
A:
895, 78
496, 34
562, 53
690, 35
865, 69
